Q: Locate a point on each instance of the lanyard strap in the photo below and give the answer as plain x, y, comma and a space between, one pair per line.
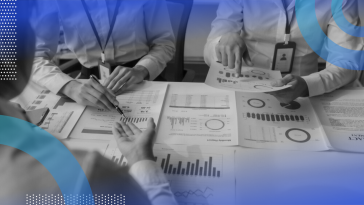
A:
287, 35
94, 28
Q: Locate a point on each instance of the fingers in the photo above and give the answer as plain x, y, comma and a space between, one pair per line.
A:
150, 123
231, 58
284, 81
238, 58
224, 58
101, 95
112, 76
122, 80
127, 129
118, 132
247, 59
134, 128
218, 54
119, 72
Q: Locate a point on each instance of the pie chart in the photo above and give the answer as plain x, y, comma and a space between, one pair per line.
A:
298, 135
292, 105
215, 124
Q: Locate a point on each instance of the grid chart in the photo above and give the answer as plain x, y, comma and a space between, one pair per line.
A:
8, 39
75, 199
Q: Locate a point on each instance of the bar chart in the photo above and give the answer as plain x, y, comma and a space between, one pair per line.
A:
180, 121
271, 117
198, 165
55, 122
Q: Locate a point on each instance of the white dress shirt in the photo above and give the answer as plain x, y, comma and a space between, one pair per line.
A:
151, 178
262, 25
142, 30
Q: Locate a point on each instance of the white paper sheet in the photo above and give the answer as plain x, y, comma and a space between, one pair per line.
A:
87, 145
342, 116
197, 175
266, 123
139, 102
251, 79
60, 122
196, 114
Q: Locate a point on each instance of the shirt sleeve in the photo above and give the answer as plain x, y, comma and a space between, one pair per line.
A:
160, 38
339, 70
229, 19
152, 179
46, 26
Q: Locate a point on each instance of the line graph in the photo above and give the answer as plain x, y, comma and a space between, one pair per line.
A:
206, 193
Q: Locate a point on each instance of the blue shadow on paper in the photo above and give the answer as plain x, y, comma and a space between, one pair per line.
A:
49, 151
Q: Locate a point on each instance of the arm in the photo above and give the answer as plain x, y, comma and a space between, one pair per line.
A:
46, 25
334, 76
137, 148
229, 19
160, 38
153, 181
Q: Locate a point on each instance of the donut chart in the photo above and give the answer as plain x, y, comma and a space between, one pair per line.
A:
256, 103
262, 87
298, 135
215, 124
258, 72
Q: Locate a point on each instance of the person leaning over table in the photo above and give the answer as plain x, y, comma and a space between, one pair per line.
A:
142, 182
141, 42
245, 33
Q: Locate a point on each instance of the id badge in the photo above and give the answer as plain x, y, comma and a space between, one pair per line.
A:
104, 70
284, 56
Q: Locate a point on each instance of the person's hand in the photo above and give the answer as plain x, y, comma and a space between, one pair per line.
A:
133, 143
298, 88
90, 93
231, 49
126, 75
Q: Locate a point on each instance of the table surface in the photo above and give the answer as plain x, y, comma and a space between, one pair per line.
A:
286, 177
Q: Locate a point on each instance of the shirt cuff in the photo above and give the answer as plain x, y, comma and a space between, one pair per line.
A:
314, 84
151, 66
209, 51
147, 172
56, 82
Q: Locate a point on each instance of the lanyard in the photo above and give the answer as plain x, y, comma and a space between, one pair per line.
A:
287, 36
94, 28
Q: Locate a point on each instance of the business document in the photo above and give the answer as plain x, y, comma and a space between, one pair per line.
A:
139, 102
197, 174
342, 116
198, 114
251, 79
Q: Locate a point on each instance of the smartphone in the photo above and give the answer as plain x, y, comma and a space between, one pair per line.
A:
37, 116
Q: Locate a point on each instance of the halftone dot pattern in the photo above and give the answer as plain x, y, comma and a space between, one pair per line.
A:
74, 199
8, 39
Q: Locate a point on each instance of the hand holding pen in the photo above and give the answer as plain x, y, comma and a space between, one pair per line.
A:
92, 77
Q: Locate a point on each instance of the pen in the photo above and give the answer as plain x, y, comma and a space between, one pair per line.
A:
116, 107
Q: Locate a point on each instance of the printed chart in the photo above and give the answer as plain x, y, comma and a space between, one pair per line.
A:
267, 123
199, 101
204, 116
139, 102
197, 175
250, 79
